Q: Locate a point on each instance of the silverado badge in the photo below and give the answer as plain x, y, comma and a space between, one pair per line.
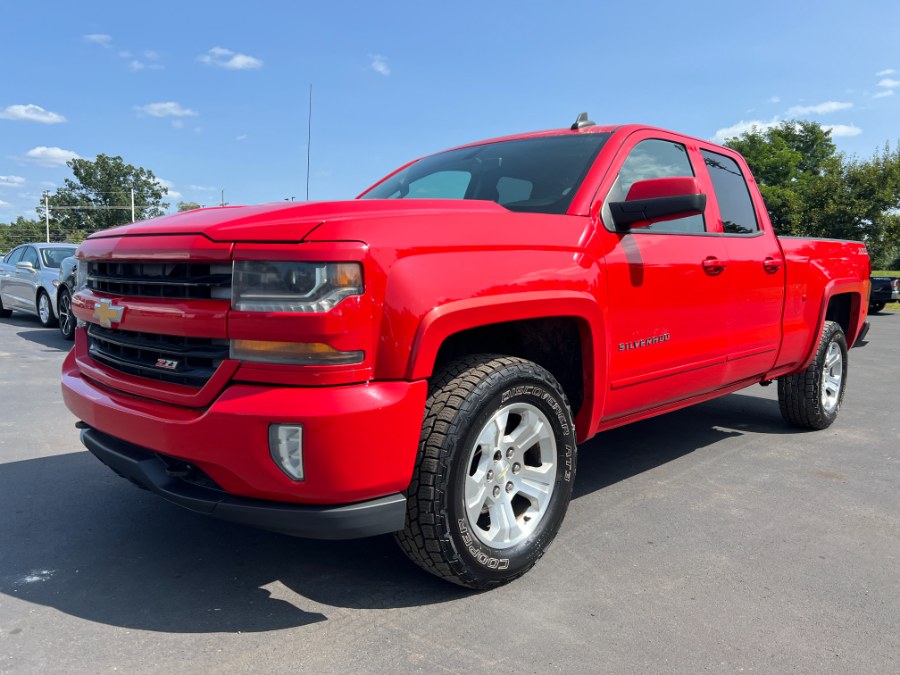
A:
106, 313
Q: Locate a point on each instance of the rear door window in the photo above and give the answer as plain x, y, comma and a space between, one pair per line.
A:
730, 186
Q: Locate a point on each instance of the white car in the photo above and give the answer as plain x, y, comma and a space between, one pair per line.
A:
29, 276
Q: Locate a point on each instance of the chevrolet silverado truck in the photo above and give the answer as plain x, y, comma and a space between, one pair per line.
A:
423, 360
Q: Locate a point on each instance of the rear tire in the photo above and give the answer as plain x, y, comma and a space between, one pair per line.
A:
494, 473
45, 310
4, 313
876, 307
812, 399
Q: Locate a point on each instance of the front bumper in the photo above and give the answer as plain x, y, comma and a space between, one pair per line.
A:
150, 471
359, 441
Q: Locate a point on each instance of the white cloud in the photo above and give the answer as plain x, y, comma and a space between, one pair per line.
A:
136, 66
4, 204
49, 156
379, 64
202, 188
242, 137
225, 58
31, 113
167, 109
99, 39
170, 186
741, 127
11, 181
884, 93
889, 83
886, 71
775, 99
838, 130
819, 108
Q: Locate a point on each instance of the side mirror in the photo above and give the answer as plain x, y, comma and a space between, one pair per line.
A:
25, 266
657, 199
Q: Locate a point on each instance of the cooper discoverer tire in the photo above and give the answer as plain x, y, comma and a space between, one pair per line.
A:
494, 472
812, 399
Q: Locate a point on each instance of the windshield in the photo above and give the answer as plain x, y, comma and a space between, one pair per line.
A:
539, 175
53, 257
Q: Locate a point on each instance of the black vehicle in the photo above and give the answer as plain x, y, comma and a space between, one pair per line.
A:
884, 290
66, 288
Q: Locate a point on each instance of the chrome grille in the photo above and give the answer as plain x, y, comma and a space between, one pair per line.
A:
179, 360
160, 279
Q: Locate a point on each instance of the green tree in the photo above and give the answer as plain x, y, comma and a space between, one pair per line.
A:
811, 189
188, 206
100, 196
21, 231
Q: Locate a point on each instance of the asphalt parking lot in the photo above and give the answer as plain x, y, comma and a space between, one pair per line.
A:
710, 539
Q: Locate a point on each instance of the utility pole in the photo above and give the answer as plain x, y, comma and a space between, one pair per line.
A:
47, 215
308, 140
132, 204
223, 199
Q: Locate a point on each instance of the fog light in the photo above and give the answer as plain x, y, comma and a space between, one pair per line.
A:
286, 448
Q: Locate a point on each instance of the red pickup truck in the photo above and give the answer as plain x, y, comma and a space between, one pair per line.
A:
423, 359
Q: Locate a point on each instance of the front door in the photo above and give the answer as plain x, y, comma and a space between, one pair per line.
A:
667, 294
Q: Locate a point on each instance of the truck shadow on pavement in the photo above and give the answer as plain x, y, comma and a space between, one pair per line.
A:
77, 538
32, 331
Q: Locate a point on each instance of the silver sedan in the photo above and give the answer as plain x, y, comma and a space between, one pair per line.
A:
29, 275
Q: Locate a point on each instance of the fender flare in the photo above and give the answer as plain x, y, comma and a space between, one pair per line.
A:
454, 317
834, 288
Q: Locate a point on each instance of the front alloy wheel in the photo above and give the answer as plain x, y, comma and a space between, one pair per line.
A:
512, 472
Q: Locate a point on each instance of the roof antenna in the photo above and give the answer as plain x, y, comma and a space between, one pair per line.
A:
582, 122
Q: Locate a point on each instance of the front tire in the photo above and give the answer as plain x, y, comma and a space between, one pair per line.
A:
812, 399
494, 473
66, 318
45, 310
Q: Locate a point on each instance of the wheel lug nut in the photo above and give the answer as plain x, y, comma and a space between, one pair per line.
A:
517, 468
496, 490
509, 453
490, 475
509, 487
498, 456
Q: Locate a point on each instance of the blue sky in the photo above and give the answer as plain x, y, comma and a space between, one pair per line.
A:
214, 95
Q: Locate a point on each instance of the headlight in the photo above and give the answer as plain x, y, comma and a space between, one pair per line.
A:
81, 275
259, 286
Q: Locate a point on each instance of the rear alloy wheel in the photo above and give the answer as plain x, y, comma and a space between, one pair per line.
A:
45, 310
812, 399
66, 318
494, 473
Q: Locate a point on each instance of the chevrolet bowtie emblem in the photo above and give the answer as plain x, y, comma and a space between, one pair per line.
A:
106, 313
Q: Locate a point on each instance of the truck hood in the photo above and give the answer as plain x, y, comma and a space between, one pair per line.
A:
293, 222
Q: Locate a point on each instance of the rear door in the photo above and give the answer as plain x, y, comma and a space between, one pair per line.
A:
667, 304
755, 270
